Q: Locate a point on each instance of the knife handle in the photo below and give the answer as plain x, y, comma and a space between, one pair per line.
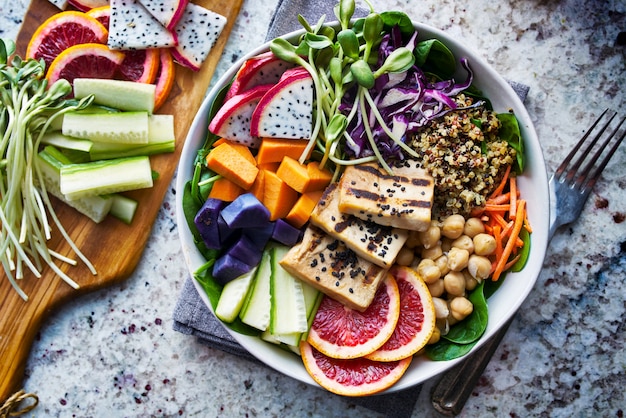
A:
456, 385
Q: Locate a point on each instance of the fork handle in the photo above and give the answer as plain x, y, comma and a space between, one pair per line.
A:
456, 385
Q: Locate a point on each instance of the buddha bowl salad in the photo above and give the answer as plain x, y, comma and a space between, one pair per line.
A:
339, 160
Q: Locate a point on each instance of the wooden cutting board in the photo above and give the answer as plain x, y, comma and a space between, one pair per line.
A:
112, 246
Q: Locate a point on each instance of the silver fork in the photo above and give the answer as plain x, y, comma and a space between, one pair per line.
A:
570, 187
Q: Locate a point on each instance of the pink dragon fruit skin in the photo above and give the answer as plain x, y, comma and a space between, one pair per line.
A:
264, 68
167, 12
232, 121
286, 110
85, 5
197, 32
131, 26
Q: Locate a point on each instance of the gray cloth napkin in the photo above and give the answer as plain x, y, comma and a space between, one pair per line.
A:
191, 315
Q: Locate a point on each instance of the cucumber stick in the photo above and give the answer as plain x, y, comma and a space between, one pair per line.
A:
94, 207
57, 139
116, 128
124, 95
312, 300
288, 314
105, 177
233, 296
257, 306
123, 208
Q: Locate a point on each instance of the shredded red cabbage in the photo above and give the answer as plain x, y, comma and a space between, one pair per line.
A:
406, 101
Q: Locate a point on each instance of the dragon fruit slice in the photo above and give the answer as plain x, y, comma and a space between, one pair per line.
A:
61, 4
232, 121
286, 110
197, 32
167, 12
131, 27
86, 5
265, 68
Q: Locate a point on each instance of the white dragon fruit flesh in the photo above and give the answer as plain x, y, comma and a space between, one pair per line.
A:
167, 12
232, 121
132, 26
197, 32
286, 110
61, 4
265, 68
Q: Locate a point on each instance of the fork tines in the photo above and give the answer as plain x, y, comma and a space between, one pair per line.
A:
587, 177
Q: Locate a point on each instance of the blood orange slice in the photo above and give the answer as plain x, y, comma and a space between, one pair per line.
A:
165, 78
62, 31
343, 333
417, 318
354, 377
140, 66
85, 61
101, 14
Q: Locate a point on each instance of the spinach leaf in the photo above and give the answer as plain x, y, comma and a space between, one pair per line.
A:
433, 56
471, 328
447, 350
393, 18
510, 132
525, 237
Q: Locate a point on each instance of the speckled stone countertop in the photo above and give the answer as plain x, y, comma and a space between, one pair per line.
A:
114, 353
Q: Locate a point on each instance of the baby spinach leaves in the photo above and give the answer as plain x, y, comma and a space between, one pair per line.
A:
464, 335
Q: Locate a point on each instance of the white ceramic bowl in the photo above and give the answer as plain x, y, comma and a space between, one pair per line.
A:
533, 184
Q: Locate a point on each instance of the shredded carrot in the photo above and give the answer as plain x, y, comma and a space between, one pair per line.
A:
519, 221
527, 225
500, 199
498, 236
499, 219
512, 262
503, 182
497, 208
513, 192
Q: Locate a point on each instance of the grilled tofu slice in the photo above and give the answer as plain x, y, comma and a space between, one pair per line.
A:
402, 200
328, 265
375, 243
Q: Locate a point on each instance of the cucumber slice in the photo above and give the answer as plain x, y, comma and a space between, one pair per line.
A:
123, 208
233, 296
256, 308
312, 300
117, 128
161, 139
94, 207
124, 95
105, 177
288, 313
57, 139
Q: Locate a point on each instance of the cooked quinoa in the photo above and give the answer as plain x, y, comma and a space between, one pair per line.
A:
451, 151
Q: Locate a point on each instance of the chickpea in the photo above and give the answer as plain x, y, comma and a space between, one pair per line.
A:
436, 288
460, 308
452, 226
454, 283
428, 271
433, 253
484, 244
464, 242
473, 227
478, 266
470, 281
430, 237
441, 308
442, 263
413, 240
457, 259
405, 256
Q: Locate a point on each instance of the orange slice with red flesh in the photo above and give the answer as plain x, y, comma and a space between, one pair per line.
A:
85, 61
344, 333
165, 78
353, 377
62, 31
417, 318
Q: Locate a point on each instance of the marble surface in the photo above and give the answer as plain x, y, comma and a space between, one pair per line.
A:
114, 353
